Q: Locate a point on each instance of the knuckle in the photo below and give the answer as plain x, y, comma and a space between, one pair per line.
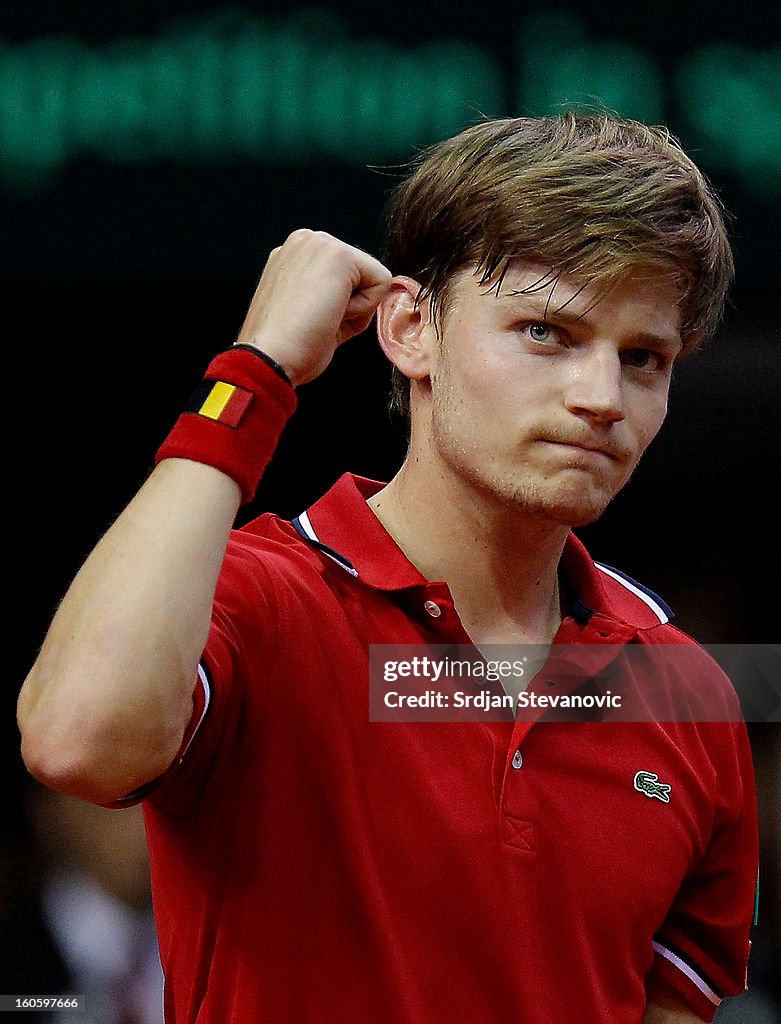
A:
300, 235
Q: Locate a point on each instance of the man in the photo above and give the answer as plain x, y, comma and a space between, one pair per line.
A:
309, 864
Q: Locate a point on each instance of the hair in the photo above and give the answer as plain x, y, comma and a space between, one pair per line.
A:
592, 196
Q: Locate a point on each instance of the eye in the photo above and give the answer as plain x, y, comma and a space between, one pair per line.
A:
539, 331
643, 359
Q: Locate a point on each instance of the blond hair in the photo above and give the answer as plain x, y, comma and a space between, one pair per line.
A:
592, 196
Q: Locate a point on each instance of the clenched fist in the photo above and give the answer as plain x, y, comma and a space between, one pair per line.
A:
315, 292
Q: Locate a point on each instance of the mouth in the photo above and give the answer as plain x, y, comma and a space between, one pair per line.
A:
585, 450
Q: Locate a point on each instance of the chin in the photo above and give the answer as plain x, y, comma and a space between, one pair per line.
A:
566, 513
571, 497
572, 506
579, 517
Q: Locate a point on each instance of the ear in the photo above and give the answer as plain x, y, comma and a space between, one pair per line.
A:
404, 328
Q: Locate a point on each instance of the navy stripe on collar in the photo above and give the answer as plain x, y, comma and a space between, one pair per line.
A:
657, 605
329, 552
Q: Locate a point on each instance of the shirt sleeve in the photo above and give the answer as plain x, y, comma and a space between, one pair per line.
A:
702, 948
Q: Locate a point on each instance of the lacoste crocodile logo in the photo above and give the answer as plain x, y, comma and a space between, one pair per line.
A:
649, 785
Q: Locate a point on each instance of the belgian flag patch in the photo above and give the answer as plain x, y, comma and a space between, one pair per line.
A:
221, 402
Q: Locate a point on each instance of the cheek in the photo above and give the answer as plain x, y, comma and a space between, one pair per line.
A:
482, 375
650, 423
466, 384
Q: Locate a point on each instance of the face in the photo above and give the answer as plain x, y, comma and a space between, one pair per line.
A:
545, 400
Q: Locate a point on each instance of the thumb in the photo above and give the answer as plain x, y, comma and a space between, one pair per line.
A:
361, 308
364, 301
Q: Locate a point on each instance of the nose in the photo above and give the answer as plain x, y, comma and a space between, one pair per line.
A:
594, 388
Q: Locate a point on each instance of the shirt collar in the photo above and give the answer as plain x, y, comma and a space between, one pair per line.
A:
343, 522
344, 527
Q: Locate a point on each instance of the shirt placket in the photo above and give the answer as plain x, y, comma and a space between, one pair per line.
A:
569, 667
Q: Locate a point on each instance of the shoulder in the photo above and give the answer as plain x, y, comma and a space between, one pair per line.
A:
273, 547
268, 563
696, 676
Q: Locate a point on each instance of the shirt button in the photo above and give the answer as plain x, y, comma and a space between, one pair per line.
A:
517, 759
433, 609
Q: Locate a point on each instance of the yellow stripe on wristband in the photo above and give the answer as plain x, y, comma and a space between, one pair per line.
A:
217, 399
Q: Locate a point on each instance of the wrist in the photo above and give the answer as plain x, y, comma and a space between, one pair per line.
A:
235, 417
268, 359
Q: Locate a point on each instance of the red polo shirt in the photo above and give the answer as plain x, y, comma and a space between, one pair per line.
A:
311, 865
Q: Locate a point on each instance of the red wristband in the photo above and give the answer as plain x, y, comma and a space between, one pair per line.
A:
234, 418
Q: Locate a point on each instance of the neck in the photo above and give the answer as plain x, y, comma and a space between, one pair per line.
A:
500, 564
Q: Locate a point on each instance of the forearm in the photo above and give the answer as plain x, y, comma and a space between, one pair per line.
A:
106, 703
105, 706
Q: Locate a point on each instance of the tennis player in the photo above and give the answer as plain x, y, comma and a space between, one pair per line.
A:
541, 278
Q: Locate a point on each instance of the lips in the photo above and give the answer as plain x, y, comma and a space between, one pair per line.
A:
609, 451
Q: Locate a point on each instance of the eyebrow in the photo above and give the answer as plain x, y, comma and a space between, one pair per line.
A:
560, 314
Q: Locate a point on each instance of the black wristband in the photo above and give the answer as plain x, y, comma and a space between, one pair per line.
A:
267, 359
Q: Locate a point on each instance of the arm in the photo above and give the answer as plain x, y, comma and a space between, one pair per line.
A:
106, 703
701, 949
670, 1011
